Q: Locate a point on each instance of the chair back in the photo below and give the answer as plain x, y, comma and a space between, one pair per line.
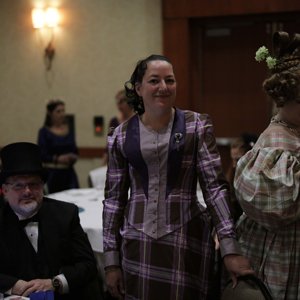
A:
249, 287
97, 177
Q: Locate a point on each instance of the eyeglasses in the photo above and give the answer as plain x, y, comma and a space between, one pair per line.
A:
33, 186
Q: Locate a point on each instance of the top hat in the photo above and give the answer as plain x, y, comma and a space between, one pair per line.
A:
21, 159
248, 287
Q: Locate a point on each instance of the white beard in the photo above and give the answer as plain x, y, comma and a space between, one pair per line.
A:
26, 210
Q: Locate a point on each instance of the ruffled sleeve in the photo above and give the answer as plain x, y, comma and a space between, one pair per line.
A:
267, 186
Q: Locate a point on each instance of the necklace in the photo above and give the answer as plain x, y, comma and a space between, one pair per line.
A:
285, 124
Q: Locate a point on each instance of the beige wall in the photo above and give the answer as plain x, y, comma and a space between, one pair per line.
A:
97, 46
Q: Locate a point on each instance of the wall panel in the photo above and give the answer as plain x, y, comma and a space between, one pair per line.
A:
210, 8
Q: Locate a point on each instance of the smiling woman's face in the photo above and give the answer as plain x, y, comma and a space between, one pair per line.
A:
158, 87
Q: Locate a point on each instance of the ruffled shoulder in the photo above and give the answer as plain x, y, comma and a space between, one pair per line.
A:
261, 169
267, 184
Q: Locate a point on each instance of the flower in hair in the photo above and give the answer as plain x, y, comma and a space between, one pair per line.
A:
271, 62
262, 53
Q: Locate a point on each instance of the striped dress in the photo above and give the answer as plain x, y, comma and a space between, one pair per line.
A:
267, 186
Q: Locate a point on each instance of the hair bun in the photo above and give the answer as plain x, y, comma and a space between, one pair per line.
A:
283, 44
281, 40
294, 44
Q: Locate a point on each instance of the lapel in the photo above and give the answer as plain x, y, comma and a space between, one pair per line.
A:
48, 239
133, 152
11, 228
176, 147
17, 243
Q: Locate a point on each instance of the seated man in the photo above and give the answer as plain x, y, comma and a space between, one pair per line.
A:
42, 244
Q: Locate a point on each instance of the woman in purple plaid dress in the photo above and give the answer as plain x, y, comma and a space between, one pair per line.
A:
158, 241
267, 179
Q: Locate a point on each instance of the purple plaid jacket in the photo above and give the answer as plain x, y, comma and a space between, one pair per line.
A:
192, 156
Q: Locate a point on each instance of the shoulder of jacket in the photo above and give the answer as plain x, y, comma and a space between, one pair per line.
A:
192, 116
57, 204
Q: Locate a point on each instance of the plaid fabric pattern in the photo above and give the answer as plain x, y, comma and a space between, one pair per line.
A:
176, 266
267, 186
199, 160
268, 177
274, 255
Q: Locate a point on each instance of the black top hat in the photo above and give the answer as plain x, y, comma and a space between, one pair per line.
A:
20, 159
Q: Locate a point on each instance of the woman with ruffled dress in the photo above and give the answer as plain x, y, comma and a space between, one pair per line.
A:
267, 178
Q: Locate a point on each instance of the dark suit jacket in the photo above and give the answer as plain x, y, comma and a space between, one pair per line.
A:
62, 248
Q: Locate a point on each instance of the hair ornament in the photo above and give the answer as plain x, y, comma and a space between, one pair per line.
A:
271, 62
263, 54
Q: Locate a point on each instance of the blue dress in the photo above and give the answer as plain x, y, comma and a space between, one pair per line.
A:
59, 177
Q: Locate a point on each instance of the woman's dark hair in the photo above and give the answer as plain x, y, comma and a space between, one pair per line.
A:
51, 106
283, 84
137, 76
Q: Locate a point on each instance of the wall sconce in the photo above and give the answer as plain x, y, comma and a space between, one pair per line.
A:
46, 18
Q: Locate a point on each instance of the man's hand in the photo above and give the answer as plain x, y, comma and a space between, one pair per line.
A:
114, 282
25, 288
237, 265
20, 287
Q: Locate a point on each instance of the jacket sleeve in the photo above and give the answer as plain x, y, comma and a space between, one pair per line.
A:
214, 186
116, 195
83, 267
6, 281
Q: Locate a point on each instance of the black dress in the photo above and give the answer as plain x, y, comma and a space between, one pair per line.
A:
52, 145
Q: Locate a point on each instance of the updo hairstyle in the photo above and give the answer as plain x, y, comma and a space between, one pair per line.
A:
137, 77
283, 84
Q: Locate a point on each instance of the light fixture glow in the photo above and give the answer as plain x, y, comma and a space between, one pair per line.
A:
38, 19
51, 17
45, 17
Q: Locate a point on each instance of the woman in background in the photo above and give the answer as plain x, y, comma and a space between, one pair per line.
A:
267, 178
125, 111
124, 107
59, 150
239, 147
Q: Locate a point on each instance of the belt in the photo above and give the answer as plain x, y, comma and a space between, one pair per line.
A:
55, 166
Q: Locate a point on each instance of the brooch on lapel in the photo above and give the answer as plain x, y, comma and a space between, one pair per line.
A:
177, 137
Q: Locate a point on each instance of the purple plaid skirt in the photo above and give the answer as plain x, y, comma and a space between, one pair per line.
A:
179, 265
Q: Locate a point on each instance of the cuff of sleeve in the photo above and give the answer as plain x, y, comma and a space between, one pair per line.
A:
229, 246
111, 258
64, 282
